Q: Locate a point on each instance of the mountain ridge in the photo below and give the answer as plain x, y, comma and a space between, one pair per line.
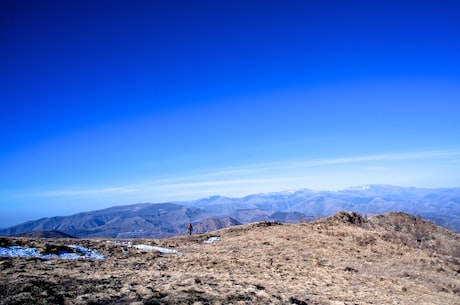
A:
158, 220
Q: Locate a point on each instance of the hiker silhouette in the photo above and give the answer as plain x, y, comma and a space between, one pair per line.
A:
190, 228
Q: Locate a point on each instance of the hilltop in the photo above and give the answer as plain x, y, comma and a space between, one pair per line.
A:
393, 258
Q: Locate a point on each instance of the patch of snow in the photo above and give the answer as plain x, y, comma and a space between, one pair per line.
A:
67, 255
17, 251
122, 243
88, 253
158, 249
146, 247
211, 240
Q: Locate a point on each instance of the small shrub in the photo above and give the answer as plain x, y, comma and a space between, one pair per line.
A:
55, 249
4, 290
4, 242
455, 251
297, 301
350, 269
365, 240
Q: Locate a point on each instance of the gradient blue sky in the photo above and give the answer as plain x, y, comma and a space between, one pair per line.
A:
117, 102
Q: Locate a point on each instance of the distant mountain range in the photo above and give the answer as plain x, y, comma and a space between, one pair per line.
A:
442, 206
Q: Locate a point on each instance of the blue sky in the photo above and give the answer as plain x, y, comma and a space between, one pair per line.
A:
118, 102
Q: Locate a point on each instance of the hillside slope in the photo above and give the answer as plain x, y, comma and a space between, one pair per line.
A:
129, 221
393, 258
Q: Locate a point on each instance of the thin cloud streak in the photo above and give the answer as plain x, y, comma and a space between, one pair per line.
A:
224, 182
375, 168
253, 175
101, 191
420, 155
394, 157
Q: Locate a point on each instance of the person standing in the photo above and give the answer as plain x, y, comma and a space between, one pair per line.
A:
190, 228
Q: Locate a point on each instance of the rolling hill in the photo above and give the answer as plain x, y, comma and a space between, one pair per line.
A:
442, 206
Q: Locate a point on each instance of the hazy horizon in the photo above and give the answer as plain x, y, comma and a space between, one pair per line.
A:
108, 102
366, 187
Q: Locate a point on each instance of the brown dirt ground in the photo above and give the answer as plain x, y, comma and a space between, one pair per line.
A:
346, 259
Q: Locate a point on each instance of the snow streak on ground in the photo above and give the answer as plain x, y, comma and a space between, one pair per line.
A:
158, 249
147, 247
211, 240
82, 252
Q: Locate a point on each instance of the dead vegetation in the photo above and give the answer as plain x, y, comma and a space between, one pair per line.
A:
393, 258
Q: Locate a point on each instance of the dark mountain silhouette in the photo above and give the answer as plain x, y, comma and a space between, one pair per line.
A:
45, 234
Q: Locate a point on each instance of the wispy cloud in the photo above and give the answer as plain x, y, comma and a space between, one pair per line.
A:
375, 168
240, 179
224, 182
418, 155
434, 154
83, 192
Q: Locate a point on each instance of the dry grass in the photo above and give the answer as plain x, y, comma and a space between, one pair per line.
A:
346, 259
